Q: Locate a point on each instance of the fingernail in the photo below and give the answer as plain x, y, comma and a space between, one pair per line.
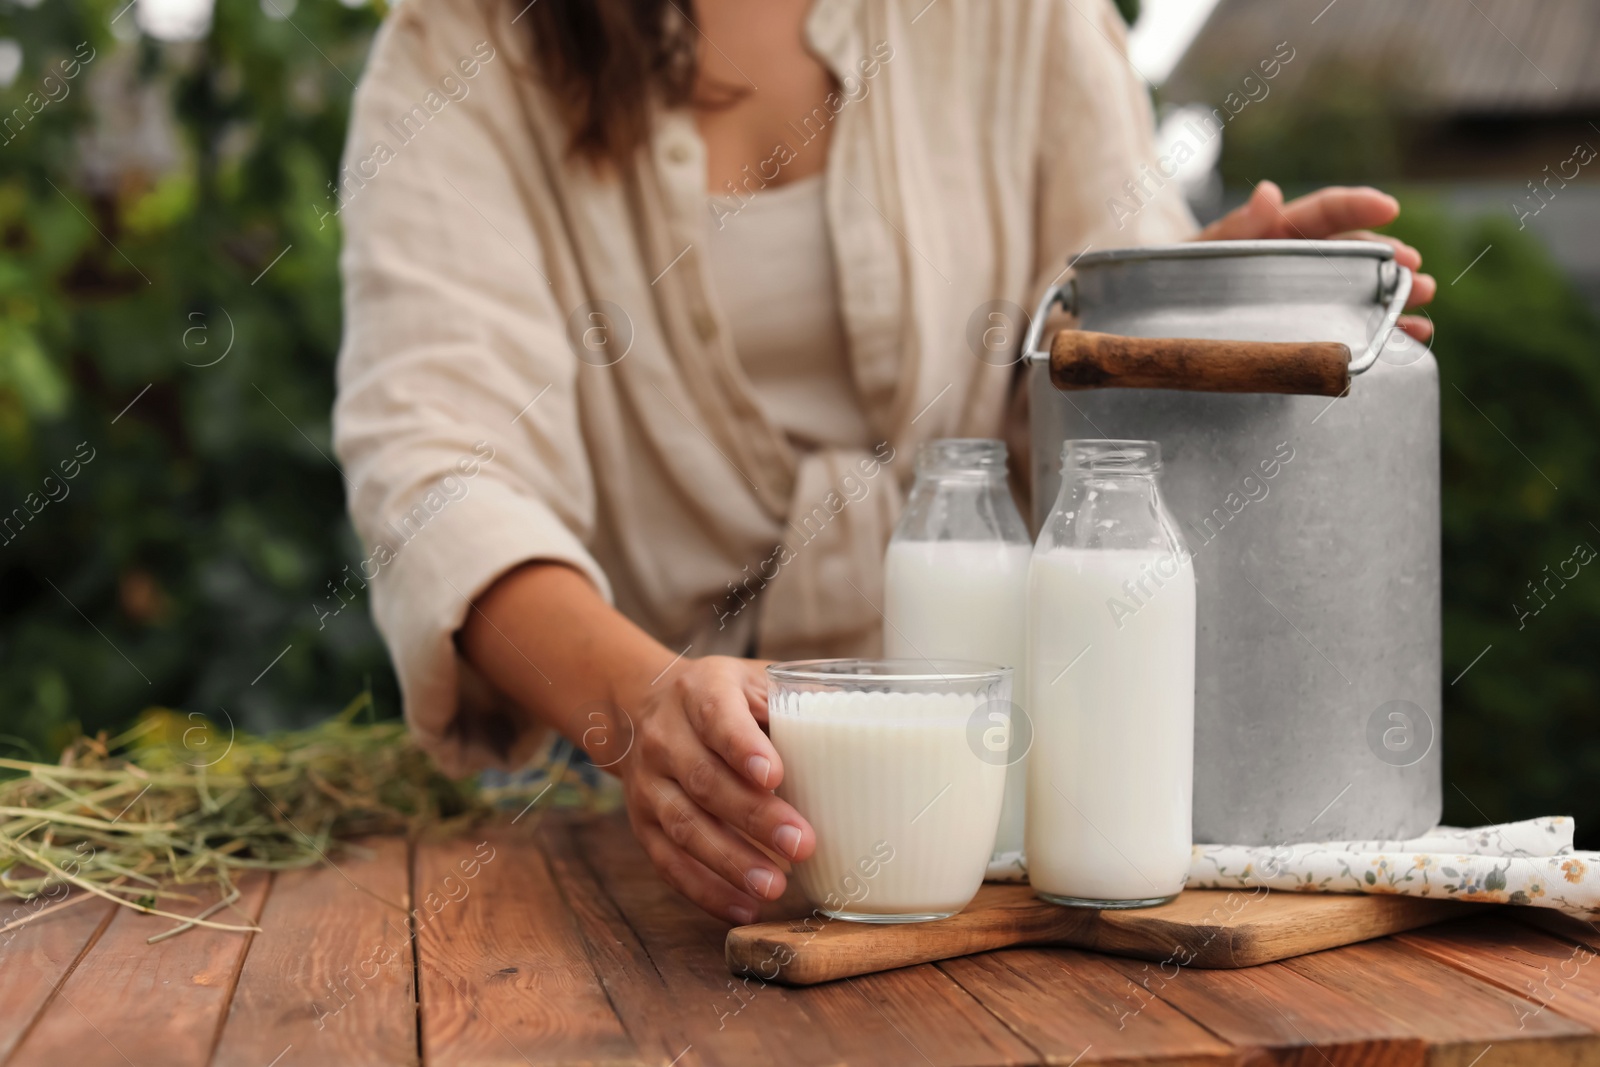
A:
759, 879
741, 915
787, 838
758, 767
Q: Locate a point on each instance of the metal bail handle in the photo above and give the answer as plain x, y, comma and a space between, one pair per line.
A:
1397, 281
1083, 360
1062, 295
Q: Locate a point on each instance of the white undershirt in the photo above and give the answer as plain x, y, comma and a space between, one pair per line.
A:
772, 267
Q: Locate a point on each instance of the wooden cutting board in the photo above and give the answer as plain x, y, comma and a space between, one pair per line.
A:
1201, 928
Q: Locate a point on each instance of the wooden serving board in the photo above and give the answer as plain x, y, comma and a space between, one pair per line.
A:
1201, 928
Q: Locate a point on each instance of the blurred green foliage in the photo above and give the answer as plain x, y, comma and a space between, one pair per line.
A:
147, 320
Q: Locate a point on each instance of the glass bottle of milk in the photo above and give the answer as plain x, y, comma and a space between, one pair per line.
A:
956, 579
1111, 633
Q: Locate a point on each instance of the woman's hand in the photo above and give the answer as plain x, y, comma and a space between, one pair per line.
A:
1334, 213
696, 768
698, 783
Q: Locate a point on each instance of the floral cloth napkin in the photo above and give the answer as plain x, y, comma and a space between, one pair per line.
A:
1530, 862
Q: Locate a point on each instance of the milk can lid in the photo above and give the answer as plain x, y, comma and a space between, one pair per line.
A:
1235, 249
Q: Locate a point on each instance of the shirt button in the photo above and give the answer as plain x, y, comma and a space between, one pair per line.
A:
678, 152
705, 326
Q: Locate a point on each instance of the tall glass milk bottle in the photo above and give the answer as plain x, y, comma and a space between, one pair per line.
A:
1111, 634
956, 584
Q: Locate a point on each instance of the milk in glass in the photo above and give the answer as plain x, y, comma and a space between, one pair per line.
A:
878, 757
956, 582
1111, 630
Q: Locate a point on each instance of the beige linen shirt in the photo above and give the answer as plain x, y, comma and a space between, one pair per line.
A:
534, 367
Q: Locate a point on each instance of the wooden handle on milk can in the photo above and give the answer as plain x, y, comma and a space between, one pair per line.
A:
1080, 359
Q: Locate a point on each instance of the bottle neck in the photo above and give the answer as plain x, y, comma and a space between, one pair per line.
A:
1119, 497
957, 479
961, 494
1110, 459
1110, 498
1112, 482
960, 457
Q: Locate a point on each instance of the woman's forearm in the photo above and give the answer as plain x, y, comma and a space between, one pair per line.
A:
697, 770
545, 637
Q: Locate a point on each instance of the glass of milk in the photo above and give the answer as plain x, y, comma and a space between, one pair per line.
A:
956, 587
885, 759
1111, 633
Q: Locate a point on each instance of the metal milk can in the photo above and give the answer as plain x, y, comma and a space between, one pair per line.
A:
1302, 465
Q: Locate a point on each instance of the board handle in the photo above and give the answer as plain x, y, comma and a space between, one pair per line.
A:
1081, 359
808, 951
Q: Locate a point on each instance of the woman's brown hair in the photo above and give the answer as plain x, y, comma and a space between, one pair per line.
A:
605, 60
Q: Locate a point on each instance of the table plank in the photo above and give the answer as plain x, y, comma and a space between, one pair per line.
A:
1554, 973
1274, 1009
651, 949
637, 989
1076, 1007
913, 1017
40, 954
132, 1002
1569, 927
329, 977
1456, 1014
504, 976
924, 1011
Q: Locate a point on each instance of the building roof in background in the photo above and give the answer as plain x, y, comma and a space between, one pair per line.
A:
1455, 57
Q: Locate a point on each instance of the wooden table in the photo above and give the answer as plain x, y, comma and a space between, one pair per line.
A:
553, 942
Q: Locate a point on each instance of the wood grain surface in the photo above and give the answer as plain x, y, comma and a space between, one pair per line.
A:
330, 975
131, 1001
1458, 1016
1553, 974
1201, 928
1074, 1006
40, 953
1081, 359
553, 942
1274, 1009
721, 1019
504, 975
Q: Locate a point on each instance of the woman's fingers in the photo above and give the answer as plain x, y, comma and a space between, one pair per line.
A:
755, 688
766, 818
718, 711
1419, 327
1423, 286
1336, 213
719, 849
1404, 254
699, 787
1256, 219
690, 877
1319, 215
1315, 216
718, 708
1423, 289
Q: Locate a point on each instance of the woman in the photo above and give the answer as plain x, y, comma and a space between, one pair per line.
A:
647, 304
